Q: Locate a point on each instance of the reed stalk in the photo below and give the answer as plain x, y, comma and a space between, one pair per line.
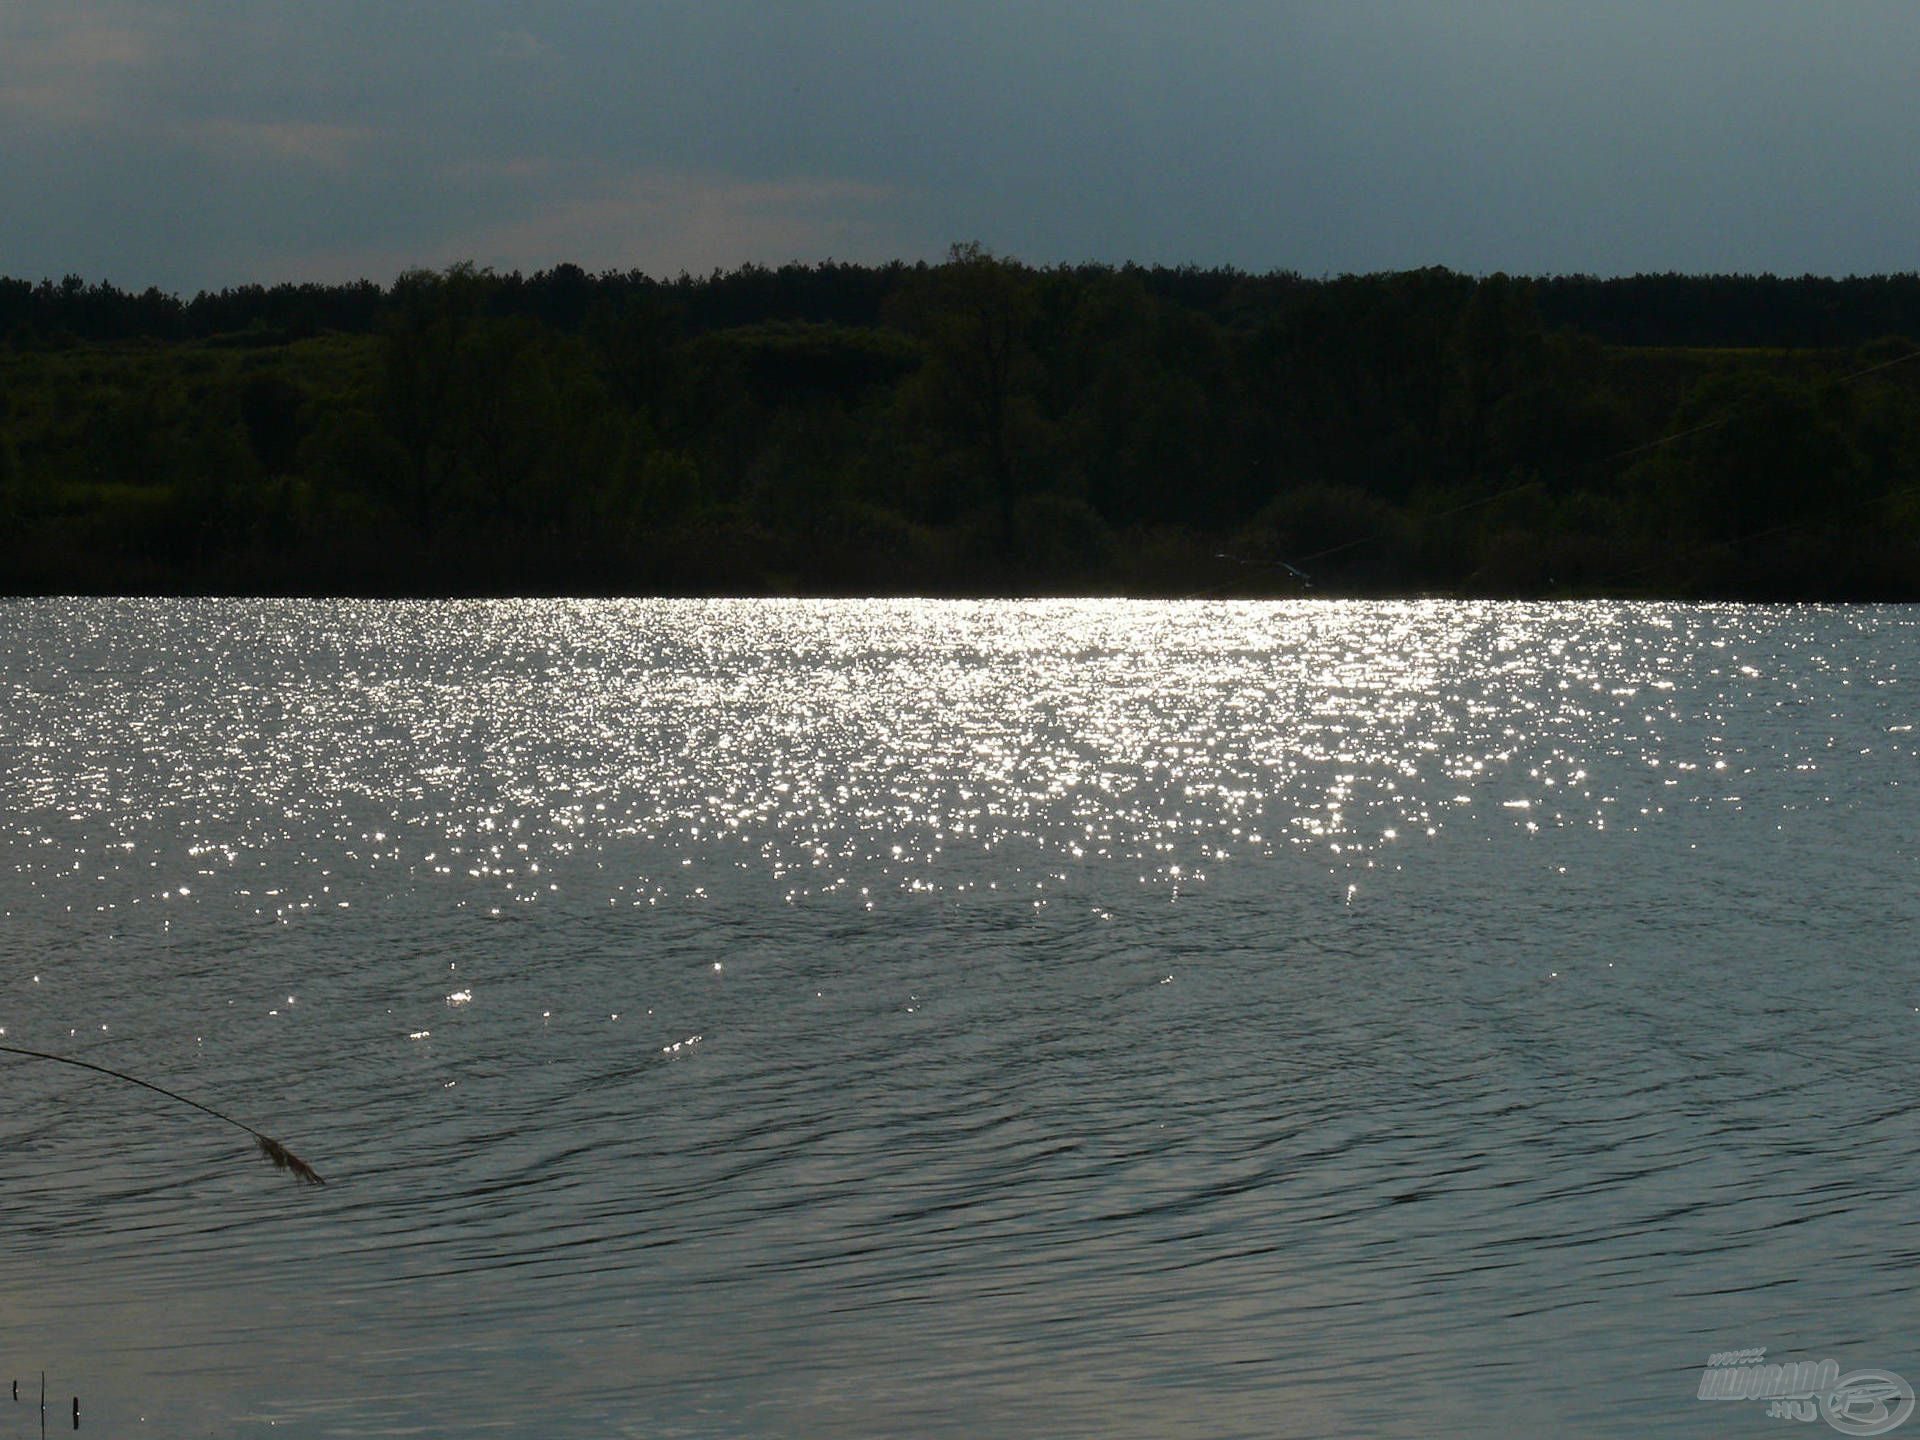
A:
270, 1148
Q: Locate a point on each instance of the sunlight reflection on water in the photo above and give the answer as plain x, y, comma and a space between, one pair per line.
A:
1097, 1018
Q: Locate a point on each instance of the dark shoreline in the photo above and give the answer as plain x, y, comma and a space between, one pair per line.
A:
977, 428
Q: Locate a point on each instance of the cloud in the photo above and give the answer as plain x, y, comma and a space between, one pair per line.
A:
518, 45
193, 142
76, 64
127, 68
316, 143
665, 222
513, 168
661, 222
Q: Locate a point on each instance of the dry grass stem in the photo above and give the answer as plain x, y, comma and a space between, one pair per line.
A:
272, 1149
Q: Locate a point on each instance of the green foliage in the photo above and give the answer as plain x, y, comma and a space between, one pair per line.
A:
11, 507
270, 408
1755, 452
972, 426
9, 467
974, 397
1059, 536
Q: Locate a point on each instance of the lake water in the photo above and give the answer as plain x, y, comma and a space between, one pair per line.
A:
884, 1019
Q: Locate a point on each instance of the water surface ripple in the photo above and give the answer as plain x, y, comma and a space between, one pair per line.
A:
871, 1019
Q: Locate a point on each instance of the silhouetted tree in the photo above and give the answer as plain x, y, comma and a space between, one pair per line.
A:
420, 400
977, 386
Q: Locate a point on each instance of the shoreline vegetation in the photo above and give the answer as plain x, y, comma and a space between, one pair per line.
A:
972, 427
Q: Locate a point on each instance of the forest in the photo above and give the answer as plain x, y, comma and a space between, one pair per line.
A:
976, 426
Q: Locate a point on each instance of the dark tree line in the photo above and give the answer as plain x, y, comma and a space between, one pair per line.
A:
1666, 310
974, 426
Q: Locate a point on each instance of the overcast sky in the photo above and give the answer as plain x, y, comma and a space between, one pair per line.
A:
191, 143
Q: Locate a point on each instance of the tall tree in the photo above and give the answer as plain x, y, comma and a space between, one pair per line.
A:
977, 386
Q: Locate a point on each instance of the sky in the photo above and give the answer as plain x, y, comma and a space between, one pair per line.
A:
199, 143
